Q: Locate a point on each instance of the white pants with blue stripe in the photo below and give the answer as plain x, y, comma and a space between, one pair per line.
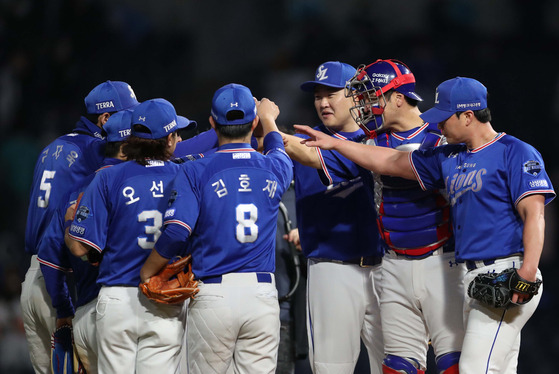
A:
492, 341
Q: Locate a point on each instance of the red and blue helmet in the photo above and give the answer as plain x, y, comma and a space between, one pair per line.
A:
373, 81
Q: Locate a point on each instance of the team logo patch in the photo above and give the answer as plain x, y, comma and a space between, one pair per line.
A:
82, 213
532, 167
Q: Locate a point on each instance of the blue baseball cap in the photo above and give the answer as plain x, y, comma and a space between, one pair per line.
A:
332, 74
456, 95
160, 117
233, 97
110, 96
117, 126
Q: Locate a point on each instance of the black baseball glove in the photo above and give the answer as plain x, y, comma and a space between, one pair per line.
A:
496, 289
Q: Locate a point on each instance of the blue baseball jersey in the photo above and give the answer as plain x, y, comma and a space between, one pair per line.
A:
61, 166
120, 216
484, 185
411, 222
57, 261
336, 216
226, 207
202, 144
198, 144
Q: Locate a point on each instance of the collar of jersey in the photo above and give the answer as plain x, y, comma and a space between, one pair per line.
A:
412, 135
90, 127
495, 139
235, 147
343, 135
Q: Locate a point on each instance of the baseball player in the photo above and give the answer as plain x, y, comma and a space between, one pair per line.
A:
56, 261
338, 236
414, 225
497, 187
61, 166
225, 208
119, 216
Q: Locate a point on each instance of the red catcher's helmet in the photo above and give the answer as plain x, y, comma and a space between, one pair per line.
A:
372, 81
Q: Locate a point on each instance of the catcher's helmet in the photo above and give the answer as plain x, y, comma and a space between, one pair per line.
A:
374, 80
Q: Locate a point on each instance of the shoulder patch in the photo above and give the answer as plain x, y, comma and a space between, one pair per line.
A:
82, 213
532, 167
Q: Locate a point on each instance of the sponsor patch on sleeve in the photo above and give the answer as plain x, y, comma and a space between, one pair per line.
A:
170, 213
77, 230
539, 183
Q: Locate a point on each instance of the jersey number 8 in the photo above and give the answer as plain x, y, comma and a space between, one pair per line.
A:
247, 230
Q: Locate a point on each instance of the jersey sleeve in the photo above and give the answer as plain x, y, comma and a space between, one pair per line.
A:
527, 174
427, 168
90, 223
200, 143
181, 215
282, 164
55, 263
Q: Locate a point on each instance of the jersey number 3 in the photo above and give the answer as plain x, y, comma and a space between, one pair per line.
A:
154, 229
247, 230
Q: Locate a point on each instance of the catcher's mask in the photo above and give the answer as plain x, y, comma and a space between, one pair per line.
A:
370, 83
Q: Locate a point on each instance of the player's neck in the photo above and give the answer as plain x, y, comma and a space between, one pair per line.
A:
222, 141
483, 135
407, 121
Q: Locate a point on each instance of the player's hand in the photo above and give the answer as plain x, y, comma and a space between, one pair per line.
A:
70, 212
520, 298
315, 138
267, 109
293, 237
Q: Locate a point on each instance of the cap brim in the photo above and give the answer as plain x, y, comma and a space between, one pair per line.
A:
310, 85
183, 123
435, 115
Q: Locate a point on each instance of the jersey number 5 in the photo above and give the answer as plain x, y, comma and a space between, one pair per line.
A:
247, 230
45, 186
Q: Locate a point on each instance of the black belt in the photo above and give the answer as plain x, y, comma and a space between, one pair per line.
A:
364, 261
261, 277
471, 264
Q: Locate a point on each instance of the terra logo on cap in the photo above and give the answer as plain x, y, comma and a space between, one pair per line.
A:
110, 96
159, 118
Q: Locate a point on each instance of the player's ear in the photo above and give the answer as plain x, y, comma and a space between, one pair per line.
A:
212, 122
255, 123
102, 119
170, 139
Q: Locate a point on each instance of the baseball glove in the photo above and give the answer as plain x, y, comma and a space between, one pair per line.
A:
173, 284
64, 359
496, 289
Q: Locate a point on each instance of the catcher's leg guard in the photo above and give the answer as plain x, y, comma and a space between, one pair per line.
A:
448, 363
401, 365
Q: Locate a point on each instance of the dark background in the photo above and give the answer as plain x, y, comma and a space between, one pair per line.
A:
52, 53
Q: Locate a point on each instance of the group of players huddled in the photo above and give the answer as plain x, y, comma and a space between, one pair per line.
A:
397, 212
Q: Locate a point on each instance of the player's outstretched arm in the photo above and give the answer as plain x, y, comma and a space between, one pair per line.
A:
380, 160
299, 152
